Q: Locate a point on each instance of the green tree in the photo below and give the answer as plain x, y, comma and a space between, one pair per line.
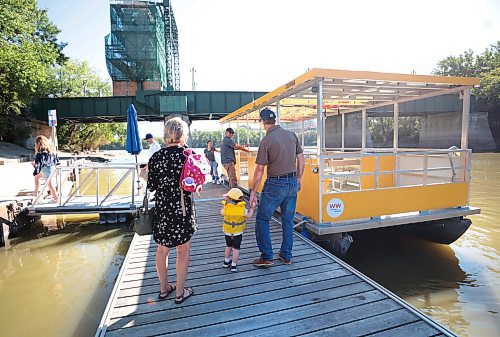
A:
74, 79
486, 66
28, 49
81, 137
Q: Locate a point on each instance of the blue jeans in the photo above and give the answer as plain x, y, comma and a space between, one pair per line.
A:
213, 171
277, 192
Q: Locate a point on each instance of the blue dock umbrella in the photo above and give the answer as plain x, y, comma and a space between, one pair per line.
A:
133, 144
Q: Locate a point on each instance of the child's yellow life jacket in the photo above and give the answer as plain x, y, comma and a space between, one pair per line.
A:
234, 217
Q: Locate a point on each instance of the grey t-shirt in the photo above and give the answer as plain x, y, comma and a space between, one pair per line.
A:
227, 151
210, 154
278, 150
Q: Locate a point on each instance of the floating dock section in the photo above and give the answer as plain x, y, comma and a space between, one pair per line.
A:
318, 294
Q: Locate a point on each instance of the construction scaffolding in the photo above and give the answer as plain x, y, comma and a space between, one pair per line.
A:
142, 48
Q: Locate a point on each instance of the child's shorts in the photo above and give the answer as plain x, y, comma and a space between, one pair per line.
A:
234, 240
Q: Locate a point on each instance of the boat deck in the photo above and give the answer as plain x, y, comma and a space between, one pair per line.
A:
318, 294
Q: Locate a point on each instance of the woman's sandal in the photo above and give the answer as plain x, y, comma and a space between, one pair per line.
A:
180, 299
171, 287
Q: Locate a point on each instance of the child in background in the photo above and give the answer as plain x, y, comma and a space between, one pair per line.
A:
235, 216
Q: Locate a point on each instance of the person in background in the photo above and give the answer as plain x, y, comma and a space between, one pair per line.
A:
153, 148
153, 145
281, 152
45, 164
210, 154
228, 157
172, 228
235, 215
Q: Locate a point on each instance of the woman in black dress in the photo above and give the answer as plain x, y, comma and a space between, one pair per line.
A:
170, 227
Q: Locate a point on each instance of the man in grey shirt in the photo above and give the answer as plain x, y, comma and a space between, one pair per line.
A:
281, 152
228, 157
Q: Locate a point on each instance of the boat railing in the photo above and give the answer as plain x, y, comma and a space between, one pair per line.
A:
87, 179
341, 172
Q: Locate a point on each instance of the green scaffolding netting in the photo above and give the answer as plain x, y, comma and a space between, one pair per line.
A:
140, 46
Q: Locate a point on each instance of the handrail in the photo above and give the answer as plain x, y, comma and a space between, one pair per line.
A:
423, 169
58, 172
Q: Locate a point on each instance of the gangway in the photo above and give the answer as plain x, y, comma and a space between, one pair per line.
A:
87, 188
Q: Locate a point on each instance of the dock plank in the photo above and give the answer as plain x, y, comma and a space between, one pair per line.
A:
317, 295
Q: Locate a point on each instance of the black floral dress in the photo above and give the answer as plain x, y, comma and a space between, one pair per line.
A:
170, 227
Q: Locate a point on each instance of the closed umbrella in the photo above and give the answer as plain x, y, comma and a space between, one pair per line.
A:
133, 144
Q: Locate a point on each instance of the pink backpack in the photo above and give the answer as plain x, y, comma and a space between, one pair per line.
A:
194, 173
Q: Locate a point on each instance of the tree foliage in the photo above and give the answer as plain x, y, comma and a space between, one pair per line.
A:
28, 49
73, 79
81, 137
486, 66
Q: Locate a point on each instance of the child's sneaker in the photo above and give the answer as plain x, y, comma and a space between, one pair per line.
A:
234, 268
226, 264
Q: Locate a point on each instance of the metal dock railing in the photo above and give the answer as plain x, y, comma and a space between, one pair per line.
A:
91, 188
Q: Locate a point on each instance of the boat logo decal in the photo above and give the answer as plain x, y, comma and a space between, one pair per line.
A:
335, 208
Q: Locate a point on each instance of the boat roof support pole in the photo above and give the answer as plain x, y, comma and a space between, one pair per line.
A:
319, 116
320, 139
396, 126
248, 132
237, 130
363, 130
343, 133
278, 119
395, 142
302, 133
465, 118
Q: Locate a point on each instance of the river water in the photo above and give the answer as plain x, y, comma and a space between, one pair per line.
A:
458, 285
59, 284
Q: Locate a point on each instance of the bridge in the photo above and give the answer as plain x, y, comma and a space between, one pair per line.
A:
196, 105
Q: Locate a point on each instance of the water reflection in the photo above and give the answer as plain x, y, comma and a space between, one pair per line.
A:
60, 282
459, 285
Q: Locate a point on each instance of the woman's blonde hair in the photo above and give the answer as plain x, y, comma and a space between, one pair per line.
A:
42, 144
175, 131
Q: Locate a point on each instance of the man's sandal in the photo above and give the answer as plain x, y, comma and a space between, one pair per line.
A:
182, 298
162, 296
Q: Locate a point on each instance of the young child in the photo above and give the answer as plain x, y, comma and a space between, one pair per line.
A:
235, 216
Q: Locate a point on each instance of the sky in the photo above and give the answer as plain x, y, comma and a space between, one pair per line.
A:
258, 45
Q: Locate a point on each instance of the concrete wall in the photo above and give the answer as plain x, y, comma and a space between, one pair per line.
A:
352, 131
444, 130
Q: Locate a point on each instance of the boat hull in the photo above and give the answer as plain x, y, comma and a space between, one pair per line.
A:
445, 231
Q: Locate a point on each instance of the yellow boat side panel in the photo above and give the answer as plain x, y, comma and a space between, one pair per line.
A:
365, 204
386, 163
308, 198
251, 170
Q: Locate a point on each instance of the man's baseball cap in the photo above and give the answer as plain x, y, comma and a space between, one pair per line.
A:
230, 130
234, 193
267, 114
148, 136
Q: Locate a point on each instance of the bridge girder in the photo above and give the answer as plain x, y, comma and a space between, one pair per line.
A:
197, 105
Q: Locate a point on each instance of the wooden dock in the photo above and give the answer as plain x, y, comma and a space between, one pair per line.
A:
318, 294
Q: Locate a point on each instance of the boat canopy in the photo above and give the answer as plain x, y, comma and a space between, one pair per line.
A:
347, 91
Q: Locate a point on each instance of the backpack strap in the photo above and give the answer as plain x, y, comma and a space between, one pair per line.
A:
187, 152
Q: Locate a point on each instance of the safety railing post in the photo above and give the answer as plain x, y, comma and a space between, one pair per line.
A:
133, 186
97, 186
426, 165
60, 185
